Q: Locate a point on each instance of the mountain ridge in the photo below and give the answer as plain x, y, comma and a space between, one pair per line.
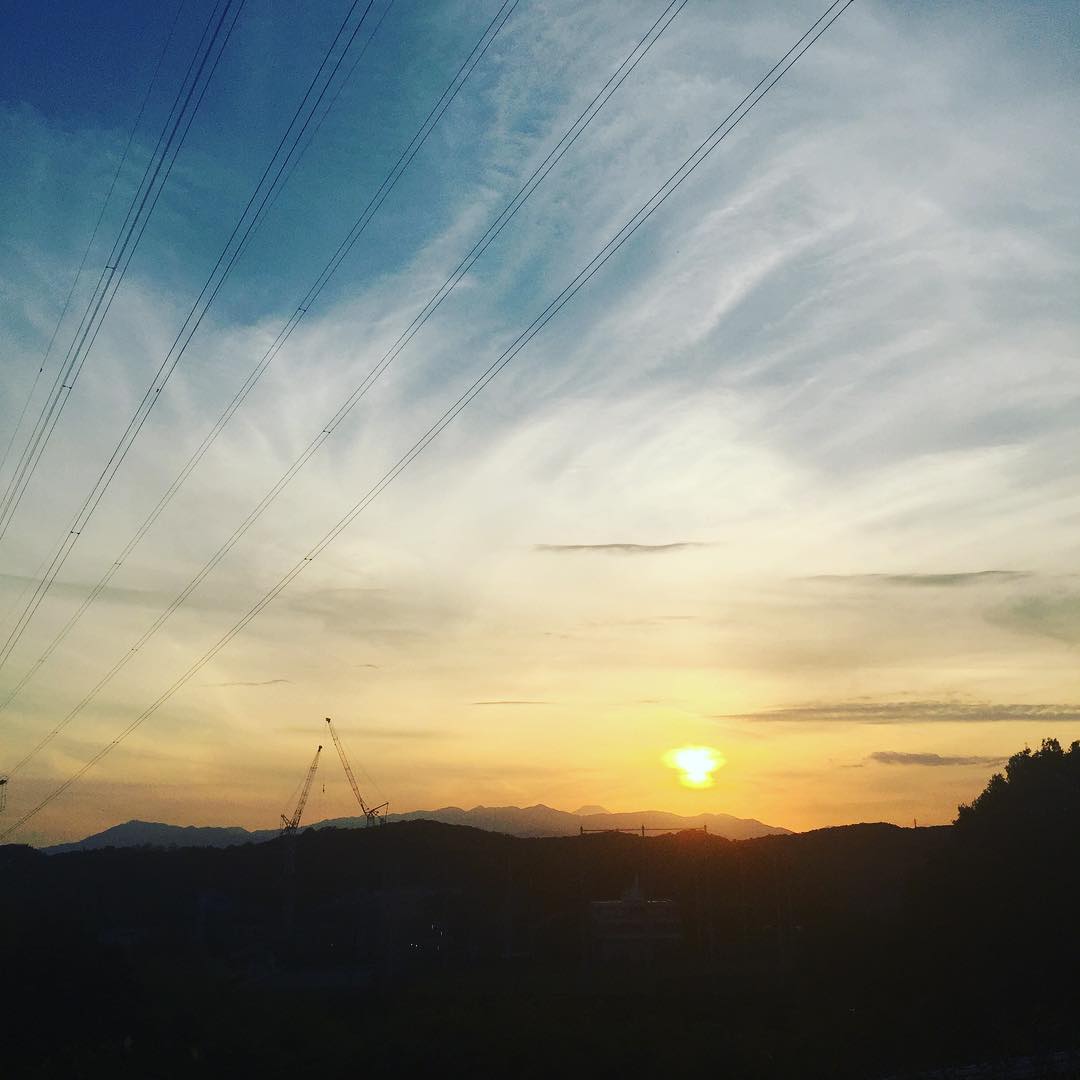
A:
530, 821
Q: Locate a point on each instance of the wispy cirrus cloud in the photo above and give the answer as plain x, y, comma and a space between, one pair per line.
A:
382, 733
911, 712
931, 581
896, 757
808, 356
73, 591
510, 702
622, 548
1056, 617
262, 682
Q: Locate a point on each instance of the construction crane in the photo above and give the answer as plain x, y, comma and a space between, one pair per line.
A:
375, 815
291, 822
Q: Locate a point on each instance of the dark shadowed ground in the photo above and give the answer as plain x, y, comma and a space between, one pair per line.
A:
865, 951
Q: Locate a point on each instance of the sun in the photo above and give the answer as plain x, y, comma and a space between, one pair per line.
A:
696, 765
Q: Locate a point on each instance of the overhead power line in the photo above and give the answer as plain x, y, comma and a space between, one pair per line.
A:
327, 109
500, 222
478, 50
174, 132
249, 217
90, 243
688, 166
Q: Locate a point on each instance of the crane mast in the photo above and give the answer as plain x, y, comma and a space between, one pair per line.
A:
291, 822
373, 814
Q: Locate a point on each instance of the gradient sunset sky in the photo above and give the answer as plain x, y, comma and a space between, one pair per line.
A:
795, 477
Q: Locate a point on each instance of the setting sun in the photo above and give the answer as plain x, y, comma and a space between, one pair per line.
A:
696, 765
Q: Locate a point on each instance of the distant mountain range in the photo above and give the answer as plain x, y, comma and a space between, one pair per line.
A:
157, 834
542, 820
526, 821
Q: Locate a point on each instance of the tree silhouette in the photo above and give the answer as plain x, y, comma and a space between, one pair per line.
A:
1039, 789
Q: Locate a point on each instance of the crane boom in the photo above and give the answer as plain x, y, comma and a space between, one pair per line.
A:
372, 813
291, 822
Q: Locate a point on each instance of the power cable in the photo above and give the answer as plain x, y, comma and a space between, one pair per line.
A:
499, 223
473, 58
389, 182
218, 274
319, 123
93, 237
155, 176
689, 165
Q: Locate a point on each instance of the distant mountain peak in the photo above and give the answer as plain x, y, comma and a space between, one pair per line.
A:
528, 821
592, 808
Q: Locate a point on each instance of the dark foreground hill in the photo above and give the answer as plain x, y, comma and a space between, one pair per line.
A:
536, 820
860, 951
419, 948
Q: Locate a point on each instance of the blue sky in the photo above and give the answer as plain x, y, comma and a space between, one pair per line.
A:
83, 76
838, 367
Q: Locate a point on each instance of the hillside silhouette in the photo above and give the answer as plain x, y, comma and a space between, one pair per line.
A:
538, 820
857, 951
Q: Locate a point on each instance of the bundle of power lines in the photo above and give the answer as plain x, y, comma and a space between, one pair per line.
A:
351, 41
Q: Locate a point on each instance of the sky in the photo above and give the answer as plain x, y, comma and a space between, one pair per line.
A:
793, 478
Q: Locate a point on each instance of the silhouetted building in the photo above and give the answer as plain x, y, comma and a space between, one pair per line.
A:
633, 930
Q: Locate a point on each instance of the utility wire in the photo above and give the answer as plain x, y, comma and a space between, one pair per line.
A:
93, 237
35, 578
498, 224
726, 126
389, 182
122, 251
319, 123
155, 176
218, 274
474, 57
111, 271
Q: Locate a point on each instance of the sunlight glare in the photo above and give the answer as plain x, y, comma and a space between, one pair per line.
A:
696, 765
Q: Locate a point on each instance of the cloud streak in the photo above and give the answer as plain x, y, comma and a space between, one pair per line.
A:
623, 548
264, 682
387, 734
931, 581
896, 757
511, 703
1055, 617
911, 712
708, 386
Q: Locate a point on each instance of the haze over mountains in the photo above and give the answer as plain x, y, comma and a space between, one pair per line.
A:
529, 821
